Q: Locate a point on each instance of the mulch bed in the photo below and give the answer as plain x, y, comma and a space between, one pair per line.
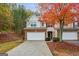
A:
63, 49
5, 37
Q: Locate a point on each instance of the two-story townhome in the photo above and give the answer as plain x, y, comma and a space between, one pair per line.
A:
70, 32
36, 30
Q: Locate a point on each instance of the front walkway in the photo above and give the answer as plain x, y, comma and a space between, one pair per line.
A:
31, 48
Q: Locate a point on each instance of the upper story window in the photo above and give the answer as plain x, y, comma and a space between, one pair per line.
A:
33, 24
49, 25
76, 24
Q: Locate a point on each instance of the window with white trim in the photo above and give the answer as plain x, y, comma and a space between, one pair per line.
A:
33, 24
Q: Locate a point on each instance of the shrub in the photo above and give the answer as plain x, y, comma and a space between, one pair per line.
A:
56, 39
47, 39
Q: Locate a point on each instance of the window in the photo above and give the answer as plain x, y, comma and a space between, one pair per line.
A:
49, 25
42, 24
76, 24
33, 24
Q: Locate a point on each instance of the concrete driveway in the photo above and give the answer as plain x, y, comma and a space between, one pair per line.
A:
31, 48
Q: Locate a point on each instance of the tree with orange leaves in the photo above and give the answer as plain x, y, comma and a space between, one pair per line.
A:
62, 14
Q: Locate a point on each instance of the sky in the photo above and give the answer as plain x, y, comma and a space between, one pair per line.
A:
31, 6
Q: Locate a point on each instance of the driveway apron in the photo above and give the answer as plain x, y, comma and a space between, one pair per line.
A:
31, 48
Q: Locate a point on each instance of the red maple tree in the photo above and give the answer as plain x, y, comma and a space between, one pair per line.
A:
62, 14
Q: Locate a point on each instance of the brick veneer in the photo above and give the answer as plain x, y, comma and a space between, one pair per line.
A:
35, 30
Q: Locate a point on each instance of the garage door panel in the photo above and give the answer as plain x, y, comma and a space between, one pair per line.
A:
69, 35
35, 35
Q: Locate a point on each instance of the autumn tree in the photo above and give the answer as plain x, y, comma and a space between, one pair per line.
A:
6, 18
58, 13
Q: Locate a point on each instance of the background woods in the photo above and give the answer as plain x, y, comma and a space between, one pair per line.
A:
13, 17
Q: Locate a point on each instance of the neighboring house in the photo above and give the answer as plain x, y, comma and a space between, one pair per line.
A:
70, 32
36, 30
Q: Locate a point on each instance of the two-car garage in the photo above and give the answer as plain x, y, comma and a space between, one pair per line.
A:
70, 34
35, 33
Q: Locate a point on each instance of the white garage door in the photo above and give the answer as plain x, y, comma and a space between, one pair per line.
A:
69, 35
35, 35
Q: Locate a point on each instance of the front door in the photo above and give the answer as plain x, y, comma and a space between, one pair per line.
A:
50, 35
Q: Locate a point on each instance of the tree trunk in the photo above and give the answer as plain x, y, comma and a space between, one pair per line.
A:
61, 30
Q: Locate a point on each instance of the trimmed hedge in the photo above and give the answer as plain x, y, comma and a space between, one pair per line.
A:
56, 39
48, 39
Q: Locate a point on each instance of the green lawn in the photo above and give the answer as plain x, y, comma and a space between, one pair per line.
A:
4, 47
